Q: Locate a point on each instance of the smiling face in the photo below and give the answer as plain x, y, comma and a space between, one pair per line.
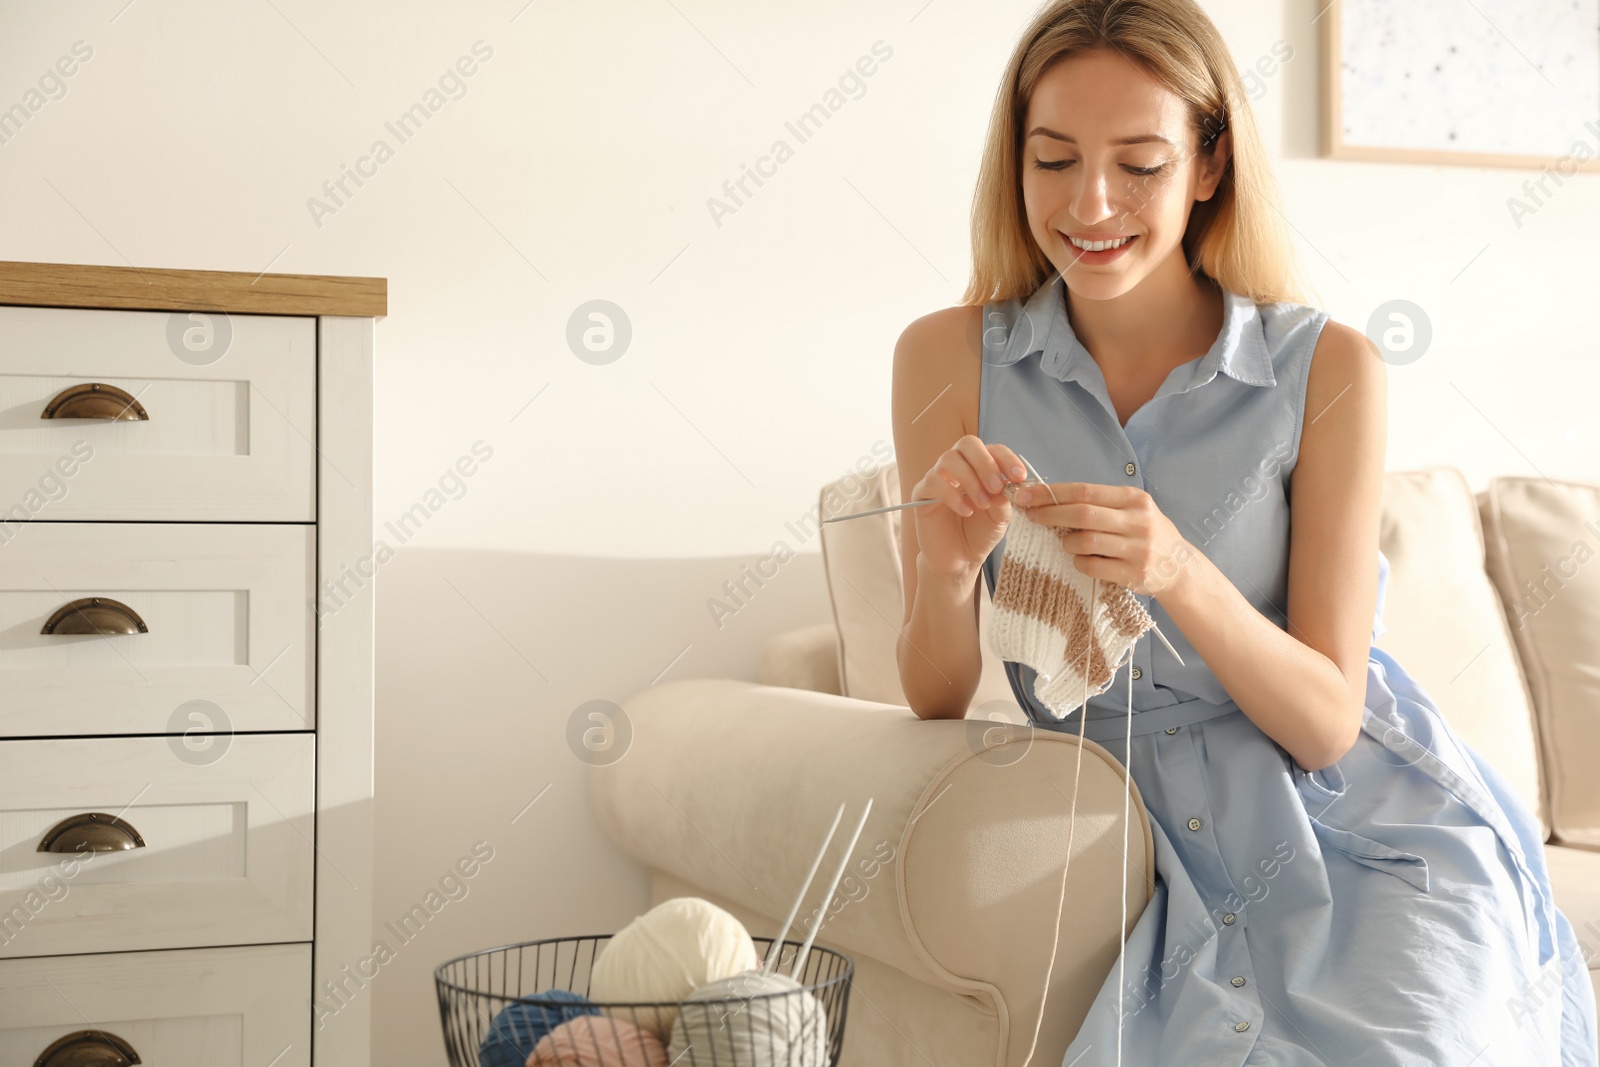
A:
1109, 172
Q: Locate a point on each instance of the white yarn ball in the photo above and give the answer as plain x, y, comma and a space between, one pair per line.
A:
777, 1031
667, 953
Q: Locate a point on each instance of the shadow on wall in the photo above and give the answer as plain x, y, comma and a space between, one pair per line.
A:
485, 662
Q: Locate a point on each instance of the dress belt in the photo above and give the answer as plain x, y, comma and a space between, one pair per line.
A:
1111, 724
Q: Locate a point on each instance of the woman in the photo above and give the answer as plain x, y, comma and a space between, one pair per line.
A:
1133, 331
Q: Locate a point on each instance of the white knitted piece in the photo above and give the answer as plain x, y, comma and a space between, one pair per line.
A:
1042, 616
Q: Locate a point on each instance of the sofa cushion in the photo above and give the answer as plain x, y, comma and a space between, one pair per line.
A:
1575, 879
807, 658
1444, 623
861, 559
1540, 537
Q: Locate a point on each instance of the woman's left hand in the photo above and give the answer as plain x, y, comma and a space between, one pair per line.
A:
1114, 532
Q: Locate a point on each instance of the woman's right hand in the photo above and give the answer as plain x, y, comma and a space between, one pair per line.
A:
957, 535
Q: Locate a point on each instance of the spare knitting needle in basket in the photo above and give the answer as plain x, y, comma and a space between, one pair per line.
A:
805, 950
771, 962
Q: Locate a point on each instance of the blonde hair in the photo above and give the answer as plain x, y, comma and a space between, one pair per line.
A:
1237, 238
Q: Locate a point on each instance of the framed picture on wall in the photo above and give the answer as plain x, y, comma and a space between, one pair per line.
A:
1473, 82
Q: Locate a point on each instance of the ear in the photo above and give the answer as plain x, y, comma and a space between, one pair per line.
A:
1209, 173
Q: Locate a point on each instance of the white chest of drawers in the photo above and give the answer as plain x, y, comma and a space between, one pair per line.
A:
186, 692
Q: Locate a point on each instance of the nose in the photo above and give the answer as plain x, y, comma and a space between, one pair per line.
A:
1091, 200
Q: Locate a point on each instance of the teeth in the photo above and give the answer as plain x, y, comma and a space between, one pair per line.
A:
1099, 246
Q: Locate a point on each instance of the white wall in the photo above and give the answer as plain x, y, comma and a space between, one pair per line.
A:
578, 561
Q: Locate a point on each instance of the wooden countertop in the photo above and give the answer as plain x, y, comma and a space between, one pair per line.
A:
153, 289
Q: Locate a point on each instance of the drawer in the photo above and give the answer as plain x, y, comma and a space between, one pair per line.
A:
229, 628
229, 437
211, 1007
225, 854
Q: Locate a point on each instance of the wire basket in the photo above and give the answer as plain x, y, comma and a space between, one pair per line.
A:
744, 1030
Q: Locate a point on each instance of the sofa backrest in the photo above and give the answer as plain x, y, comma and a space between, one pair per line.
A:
861, 560
1443, 617
1541, 538
1445, 624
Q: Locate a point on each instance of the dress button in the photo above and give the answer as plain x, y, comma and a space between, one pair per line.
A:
1194, 824
1227, 920
1237, 980
1130, 468
1137, 673
1172, 729
1241, 1026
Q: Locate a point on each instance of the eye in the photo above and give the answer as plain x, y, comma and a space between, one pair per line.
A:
1053, 164
1159, 168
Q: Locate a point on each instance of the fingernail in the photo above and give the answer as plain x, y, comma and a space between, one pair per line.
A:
1022, 497
1018, 473
994, 483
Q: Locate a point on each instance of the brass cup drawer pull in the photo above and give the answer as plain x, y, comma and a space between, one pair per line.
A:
95, 615
88, 1048
95, 400
91, 831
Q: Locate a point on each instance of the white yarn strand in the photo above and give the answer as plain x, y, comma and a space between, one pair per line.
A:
1072, 817
1072, 810
1072, 826
1127, 793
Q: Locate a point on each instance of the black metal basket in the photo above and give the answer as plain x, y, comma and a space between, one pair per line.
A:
475, 988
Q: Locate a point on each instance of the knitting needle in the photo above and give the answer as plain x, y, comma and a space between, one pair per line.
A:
805, 950
776, 948
914, 503
880, 511
923, 503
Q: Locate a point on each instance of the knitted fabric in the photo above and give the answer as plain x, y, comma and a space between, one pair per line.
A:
1073, 630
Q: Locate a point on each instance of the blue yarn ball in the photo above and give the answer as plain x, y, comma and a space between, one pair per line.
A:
519, 1026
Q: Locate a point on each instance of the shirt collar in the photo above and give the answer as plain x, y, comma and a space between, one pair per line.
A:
1240, 350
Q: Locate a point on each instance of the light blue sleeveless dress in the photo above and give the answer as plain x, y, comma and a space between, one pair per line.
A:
1392, 909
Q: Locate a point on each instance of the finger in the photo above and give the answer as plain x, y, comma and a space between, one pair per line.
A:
970, 462
938, 485
1111, 496
954, 468
1095, 493
1100, 567
1010, 464
982, 462
1096, 543
1081, 517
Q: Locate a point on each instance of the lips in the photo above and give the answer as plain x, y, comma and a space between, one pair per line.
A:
1099, 242
1101, 250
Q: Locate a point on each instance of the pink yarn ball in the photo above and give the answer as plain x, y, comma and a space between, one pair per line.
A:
598, 1041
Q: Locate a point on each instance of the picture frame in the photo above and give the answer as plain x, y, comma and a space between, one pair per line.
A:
1447, 96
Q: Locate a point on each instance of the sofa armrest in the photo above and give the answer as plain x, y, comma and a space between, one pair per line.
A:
807, 658
731, 785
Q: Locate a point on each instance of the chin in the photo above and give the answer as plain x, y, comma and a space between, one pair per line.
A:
1085, 285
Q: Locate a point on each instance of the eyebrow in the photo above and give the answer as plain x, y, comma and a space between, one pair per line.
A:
1140, 138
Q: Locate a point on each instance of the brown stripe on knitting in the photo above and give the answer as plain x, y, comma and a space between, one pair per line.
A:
1123, 612
1027, 590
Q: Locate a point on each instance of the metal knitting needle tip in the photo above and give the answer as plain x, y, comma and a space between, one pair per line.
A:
1164, 641
880, 511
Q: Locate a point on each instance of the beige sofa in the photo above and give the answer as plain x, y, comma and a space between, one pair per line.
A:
948, 907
